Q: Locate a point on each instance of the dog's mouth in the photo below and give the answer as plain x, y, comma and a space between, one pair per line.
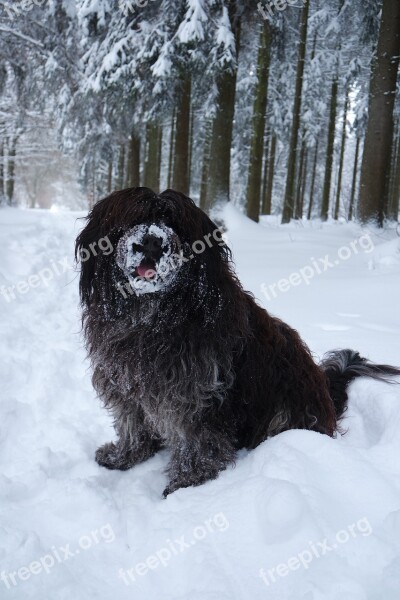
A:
147, 269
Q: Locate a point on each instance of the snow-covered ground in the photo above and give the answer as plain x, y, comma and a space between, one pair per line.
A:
303, 517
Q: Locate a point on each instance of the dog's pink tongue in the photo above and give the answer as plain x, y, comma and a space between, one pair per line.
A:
146, 270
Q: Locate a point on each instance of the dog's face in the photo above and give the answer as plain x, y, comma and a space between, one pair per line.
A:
160, 244
150, 255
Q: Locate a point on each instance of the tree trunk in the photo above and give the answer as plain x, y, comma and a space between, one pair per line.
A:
160, 148
375, 169
218, 187
258, 125
180, 179
121, 167
354, 182
94, 179
290, 189
313, 177
267, 143
303, 184
171, 149
299, 206
393, 165
267, 202
191, 137
393, 208
330, 151
10, 184
110, 175
134, 161
1, 171
205, 166
341, 160
153, 157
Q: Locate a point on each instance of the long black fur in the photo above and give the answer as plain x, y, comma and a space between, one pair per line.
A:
197, 367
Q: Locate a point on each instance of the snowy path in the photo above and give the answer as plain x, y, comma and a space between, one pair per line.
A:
320, 516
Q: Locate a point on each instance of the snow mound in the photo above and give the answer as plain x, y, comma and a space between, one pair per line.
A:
302, 517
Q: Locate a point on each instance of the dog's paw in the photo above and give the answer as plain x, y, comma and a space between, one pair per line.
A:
193, 480
109, 456
171, 488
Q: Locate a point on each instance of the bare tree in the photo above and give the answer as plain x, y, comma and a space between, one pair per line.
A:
375, 169
290, 190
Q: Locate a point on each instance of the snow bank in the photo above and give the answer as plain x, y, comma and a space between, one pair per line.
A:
301, 517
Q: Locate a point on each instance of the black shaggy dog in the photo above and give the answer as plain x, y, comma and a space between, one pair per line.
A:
182, 356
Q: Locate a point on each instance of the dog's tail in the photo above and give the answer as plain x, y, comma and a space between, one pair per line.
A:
342, 366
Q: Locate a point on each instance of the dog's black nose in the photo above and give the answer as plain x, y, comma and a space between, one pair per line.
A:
152, 246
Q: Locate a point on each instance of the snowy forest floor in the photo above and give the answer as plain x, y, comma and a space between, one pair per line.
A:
321, 516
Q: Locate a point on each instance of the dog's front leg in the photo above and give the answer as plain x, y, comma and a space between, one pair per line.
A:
199, 458
136, 441
135, 444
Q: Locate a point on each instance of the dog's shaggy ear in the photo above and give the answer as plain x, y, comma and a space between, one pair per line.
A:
83, 254
92, 247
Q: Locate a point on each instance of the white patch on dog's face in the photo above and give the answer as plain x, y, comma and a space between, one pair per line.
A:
150, 256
